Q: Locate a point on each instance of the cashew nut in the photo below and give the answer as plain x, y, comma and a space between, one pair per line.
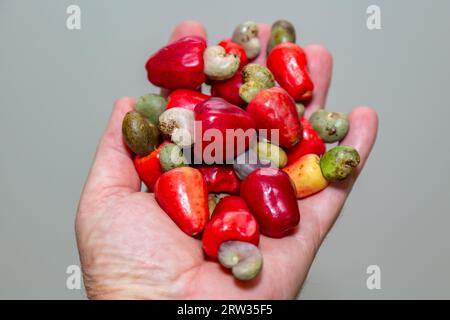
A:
246, 35
178, 123
256, 78
243, 258
218, 64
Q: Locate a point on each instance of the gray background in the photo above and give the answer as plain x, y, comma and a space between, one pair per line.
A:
57, 88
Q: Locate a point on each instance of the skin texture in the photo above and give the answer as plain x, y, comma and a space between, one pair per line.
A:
271, 197
120, 231
139, 134
178, 65
220, 178
220, 115
274, 109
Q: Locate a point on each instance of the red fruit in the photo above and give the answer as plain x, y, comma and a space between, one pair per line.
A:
220, 179
182, 194
234, 48
178, 65
288, 64
310, 143
185, 98
274, 109
270, 195
229, 89
149, 168
214, 118
231, 220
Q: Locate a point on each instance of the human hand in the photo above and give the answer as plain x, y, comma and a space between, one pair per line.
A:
129, 248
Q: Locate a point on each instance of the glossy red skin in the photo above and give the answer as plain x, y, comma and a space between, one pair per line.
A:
185, 98
274, 109
229, 90
220, 115
271, 197
220, 178
288, 64
182, 194
234, 48
231, 220
149, 168
178, 65
310, 143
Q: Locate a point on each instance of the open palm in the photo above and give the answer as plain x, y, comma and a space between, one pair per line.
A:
129, 248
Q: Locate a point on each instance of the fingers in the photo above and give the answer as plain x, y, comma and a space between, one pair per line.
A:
327, 205
320, 65
188, 28
113, 166
263, 35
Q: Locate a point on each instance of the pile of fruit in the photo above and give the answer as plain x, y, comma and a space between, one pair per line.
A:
231, 165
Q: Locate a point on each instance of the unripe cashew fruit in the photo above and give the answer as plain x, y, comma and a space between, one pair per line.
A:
338, 163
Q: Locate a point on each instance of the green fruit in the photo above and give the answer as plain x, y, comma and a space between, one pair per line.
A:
281, 31
256, 78
250, 89
258, 73
300, 109
331, 126
151, 106
139, 134
171, 156
271, 152
338, 163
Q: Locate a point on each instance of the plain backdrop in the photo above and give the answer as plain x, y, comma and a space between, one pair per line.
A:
57, 88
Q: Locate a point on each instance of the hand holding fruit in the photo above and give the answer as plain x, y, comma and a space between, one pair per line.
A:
130, 248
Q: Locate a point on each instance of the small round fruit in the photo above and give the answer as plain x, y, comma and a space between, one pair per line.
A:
246, 35
171, 157
271, 152
338, 163
151, 106
243, 258
331, 126
281, 31
139, 134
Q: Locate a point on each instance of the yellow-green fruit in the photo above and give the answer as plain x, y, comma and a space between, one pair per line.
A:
338, 163
171, 156
268, 151
300, 109
306, 175
139, 134
256, 78
281, 31
331, 126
